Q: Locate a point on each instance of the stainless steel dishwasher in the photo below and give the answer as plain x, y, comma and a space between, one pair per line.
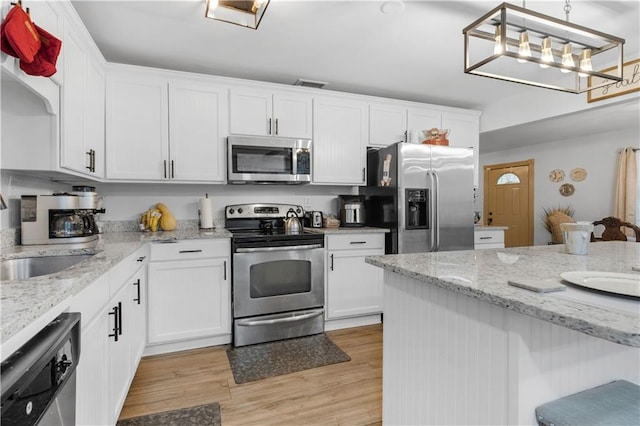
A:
39, 381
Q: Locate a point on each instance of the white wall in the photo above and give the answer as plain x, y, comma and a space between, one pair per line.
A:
127, 201
593, 197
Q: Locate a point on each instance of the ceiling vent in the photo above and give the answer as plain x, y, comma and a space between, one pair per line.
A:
310, 83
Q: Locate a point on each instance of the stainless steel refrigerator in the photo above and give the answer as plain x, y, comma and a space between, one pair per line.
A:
423, 194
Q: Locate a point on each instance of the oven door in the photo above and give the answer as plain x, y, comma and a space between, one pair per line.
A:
268, 280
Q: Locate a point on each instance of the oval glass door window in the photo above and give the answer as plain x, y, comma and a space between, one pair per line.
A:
508, 178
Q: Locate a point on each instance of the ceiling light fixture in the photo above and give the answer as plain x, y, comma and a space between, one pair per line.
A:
534, 40
244, 13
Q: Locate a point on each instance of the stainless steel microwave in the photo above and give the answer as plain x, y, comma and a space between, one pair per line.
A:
256, 159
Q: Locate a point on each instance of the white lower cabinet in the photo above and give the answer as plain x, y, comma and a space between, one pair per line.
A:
354, 288
189, 295
112, 340
485, 238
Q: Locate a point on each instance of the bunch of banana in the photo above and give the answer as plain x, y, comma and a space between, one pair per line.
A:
150, 219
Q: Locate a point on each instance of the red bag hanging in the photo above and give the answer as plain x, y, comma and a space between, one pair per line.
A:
19, 36
44, 62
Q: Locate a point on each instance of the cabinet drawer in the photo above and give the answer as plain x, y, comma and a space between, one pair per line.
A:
488, 237
190, 249
120, 273
355, 241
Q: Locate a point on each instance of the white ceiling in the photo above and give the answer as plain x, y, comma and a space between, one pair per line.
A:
414, 54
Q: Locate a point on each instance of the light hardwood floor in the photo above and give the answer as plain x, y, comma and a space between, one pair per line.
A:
348, 393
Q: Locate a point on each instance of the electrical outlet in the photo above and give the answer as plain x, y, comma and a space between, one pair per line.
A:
307, 201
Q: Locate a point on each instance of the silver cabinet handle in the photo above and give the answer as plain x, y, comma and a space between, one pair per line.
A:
291, 318
285, 248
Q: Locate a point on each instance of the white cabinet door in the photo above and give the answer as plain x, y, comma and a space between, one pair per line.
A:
92, 378
198, 131
464, 132
387, 124
188, 299
138, 298
339, 141
137, 127
265, 113
94, 128
251, 112
353, 287
423, 119
73, 111
292, 115
119, 326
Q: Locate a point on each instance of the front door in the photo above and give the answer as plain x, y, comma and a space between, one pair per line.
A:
508, 201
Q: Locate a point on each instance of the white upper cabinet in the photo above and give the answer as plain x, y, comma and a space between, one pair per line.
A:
269, 113
387, 124
82, 112
165, 129
339, 141
464, 132
423, 118
137, 123
197, 131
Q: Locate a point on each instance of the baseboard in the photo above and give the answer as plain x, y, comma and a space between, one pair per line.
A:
186, 345
352, 322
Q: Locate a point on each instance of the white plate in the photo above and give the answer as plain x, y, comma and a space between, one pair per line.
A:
611, 282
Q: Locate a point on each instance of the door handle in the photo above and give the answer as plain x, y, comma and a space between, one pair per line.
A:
332, 261
284, 248
114, 312
120, 318
289, 318
225, 270
437, 210
137, 284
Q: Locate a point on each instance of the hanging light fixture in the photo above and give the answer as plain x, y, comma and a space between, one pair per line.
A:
534, 40
546, 55
244, 13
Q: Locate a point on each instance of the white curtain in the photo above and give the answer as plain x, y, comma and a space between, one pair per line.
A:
626, 200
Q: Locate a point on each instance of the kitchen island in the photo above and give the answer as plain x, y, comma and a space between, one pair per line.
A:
461, 346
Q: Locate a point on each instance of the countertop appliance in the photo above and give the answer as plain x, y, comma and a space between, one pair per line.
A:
277, 277
59, 218
313, 219
423, 194
256, 159
39, 379
351, 209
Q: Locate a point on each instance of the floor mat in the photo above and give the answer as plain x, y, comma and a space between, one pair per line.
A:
257, 362
205, 415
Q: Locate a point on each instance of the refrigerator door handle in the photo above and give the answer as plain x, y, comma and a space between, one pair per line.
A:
432, 212
436, 218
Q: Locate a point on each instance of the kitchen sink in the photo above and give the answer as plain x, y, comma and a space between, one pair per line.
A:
29, 267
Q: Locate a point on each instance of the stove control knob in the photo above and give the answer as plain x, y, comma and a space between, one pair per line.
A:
240, 211
231, 211
298, 210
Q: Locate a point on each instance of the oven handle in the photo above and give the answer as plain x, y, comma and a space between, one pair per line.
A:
282, 248
293, 318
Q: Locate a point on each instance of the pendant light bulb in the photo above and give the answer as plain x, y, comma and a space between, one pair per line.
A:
567, 58
497, 47
546, 52
524, 50
585, 62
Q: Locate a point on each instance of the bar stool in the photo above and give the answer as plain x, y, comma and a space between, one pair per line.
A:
616, 403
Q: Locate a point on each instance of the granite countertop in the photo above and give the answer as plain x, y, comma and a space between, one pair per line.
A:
483, 274
25, 301
347, 230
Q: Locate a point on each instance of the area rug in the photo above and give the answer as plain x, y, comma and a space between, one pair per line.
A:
264, 360
202, 415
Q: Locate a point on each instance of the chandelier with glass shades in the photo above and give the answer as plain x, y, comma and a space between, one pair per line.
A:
517, 44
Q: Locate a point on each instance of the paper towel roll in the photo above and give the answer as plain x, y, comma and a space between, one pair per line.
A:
206, 213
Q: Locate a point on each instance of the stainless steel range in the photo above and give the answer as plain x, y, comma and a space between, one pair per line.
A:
277, 278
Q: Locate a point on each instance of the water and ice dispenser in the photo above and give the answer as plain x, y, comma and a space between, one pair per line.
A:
417, 208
